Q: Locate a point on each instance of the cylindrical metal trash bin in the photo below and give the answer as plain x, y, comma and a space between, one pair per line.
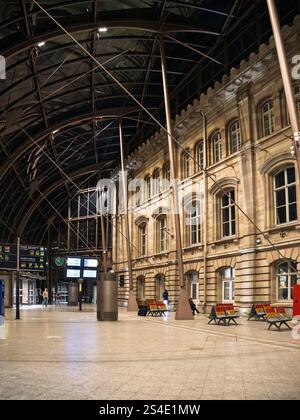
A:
73, 294
107, 297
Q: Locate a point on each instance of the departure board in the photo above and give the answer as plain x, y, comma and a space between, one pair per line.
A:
8, 256
33, 258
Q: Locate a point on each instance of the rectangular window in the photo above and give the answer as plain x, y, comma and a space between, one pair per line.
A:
162, 225
228, 214
285, 196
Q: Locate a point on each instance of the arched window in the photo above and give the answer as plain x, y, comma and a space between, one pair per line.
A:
186, 164
156, 181
234, 132
199, 156
159, 286
285, 196
140, 288
228, 214
286, 276
216, 142
228, 280
192, 279
142, 245
267, 118
161, 233
166, 175
193, 223
147, 192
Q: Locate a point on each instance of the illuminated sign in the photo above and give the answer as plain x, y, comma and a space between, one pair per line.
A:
73, 274
90, 263
73, 262
89, 274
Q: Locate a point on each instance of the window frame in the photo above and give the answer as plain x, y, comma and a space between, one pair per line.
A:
161, 234
142, 239
286, 187
199, 156
289, 274
147, 192
232, 222
231, 281
238, 134
269, 128
193, 231
156, 184
217, 149
186, 164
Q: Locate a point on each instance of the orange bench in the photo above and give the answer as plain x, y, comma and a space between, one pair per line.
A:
276, 316
257, 312
223, 313
156, 308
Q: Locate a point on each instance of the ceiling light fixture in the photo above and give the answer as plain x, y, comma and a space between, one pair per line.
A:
41, 44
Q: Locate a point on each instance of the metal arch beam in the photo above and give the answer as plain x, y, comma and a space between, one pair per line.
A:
74, 175
83, 74
26, 145
151, 26
83, 102
105, 55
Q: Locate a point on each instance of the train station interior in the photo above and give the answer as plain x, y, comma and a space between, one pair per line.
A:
149, 200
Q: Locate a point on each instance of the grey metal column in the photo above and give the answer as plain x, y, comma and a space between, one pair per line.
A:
183, 310
286, 78
18, 281
132, 303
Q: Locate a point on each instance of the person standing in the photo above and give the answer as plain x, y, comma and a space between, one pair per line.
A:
45, 297
165, 297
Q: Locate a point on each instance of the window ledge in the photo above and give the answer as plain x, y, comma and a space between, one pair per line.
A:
161, 255
287, 304
193, 247
226, 241
285, 226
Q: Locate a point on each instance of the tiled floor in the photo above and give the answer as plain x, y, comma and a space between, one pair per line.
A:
64, 354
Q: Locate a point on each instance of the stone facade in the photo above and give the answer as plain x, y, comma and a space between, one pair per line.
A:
252, 96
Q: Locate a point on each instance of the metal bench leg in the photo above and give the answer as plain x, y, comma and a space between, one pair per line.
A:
270, 326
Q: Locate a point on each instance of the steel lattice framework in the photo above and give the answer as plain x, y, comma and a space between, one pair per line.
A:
56, 98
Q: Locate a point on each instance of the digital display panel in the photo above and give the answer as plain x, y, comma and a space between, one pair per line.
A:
90, 263
74, 262
89, 274
33, 258
73, 273
8, 256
